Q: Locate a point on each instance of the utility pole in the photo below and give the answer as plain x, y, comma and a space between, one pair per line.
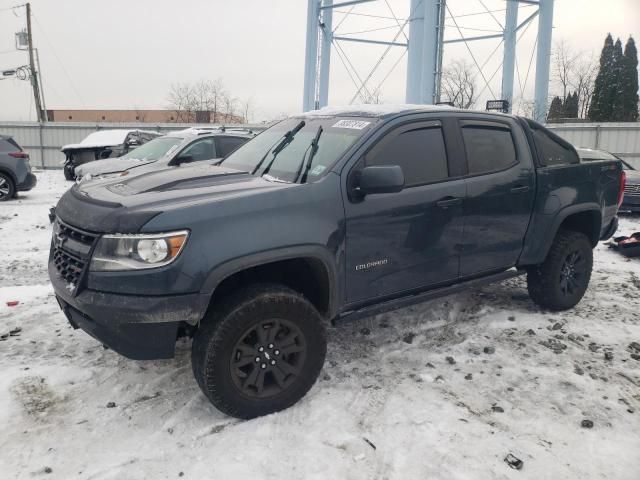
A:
32, 67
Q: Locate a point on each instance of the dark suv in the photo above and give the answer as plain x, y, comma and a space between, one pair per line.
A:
15, 169
171, 150
333, 214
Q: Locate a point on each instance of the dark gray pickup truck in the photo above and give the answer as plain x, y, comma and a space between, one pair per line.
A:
332, 214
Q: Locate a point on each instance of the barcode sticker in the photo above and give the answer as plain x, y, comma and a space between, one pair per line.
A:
353, 124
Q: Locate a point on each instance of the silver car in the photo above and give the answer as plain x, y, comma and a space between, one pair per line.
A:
177, 148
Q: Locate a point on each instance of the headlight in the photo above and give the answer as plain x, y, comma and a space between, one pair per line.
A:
137, 252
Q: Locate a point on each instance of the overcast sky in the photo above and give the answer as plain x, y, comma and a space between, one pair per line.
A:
127, 53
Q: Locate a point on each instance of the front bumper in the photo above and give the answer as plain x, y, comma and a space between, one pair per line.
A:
28, 183
135, 326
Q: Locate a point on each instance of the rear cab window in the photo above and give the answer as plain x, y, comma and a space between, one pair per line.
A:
552, 150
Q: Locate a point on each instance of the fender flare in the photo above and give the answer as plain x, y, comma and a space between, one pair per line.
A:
565, 213
317, 252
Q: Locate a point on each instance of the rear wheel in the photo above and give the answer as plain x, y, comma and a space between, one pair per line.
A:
7, 187
560, 282
259, 352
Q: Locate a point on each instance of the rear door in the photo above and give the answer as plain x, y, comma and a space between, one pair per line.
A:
409, 240
500, 185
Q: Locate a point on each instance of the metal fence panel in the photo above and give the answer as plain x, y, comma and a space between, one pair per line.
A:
621, 139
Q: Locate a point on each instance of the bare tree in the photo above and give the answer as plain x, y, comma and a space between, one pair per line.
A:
373, 98
182, 101
204, 99
523, 106
458, 84
564, 61
583, 81
246, 107
574, 71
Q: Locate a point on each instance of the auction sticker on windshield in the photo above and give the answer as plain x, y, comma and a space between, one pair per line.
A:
354, 124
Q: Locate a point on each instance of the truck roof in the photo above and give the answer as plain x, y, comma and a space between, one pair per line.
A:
376, 111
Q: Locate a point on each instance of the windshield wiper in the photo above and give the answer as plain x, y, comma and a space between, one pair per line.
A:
305, 163
287, 138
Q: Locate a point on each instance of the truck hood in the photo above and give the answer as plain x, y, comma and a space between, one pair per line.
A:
124, 204
109, 166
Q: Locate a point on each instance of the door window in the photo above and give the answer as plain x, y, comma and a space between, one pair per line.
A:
488, 149
226, 145
419, 151
202, 149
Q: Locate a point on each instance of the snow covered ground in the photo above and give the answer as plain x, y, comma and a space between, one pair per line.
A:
444, 390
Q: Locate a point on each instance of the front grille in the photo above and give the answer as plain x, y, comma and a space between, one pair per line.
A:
71, 252
633, 189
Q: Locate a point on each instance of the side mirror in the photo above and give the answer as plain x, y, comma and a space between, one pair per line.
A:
183, 159
380, 179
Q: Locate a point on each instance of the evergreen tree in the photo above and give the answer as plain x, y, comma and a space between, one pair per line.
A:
630, 82
601, 102
571, 106
556, 110
616, 87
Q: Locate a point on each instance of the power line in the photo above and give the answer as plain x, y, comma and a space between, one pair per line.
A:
12, 8
53, 50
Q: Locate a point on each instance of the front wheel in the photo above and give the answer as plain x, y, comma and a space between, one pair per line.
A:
560, 282
259, 352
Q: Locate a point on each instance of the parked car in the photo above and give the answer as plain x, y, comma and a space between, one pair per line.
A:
15, 169
101, 145
177, 148
333, 214
631, 200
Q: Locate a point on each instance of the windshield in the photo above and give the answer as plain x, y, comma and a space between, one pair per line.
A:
155, 149
337, 136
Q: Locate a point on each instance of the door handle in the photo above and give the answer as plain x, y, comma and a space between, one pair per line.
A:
448, 202
520, 189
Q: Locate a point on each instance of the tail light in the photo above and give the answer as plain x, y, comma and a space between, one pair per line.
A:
19, 154
623, 183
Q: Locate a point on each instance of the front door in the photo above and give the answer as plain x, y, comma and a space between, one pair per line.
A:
409, 240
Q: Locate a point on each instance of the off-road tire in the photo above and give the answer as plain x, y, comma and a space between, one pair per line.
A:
545, 281
215, 346
8, 187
